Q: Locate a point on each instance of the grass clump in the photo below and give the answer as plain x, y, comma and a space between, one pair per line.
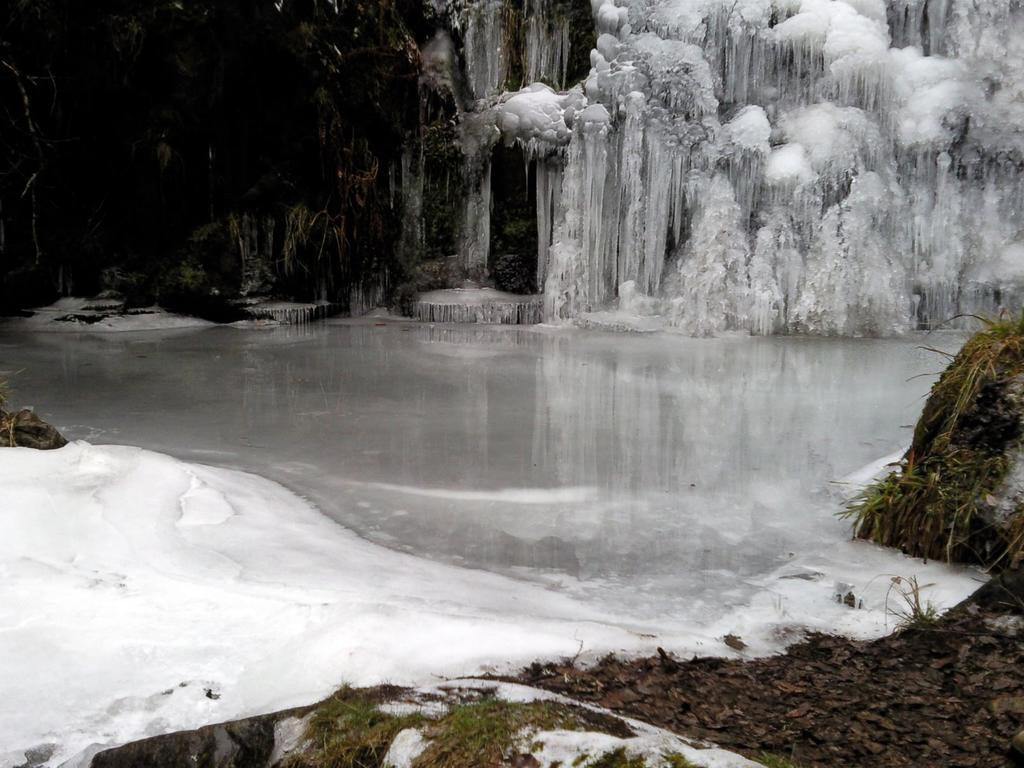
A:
675, 760
619, 758
482, 733
936, 504
7, 420
910, 610
769, 760
348, 730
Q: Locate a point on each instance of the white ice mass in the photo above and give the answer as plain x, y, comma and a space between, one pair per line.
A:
863, 159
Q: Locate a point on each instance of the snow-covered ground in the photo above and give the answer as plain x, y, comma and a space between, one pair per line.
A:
143, 595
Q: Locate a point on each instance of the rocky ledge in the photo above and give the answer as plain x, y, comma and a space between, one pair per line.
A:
457, 724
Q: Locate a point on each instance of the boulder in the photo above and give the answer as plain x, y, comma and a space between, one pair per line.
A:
245, 743
24, 429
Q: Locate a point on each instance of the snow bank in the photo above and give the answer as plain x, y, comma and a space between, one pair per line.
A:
142, 595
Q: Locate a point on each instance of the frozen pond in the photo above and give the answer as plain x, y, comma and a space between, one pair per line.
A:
655, 476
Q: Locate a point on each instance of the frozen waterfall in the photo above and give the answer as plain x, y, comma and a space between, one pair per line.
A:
824, 166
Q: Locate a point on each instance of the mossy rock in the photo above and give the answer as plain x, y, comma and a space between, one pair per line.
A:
958, 493
390, 727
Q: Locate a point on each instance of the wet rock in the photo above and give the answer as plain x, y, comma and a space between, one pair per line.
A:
1005, 591
25, 429
240, 744
525, 761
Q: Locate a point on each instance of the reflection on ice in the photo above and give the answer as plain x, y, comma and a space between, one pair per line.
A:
663, 475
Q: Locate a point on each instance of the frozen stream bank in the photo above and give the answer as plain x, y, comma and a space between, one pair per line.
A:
662, 488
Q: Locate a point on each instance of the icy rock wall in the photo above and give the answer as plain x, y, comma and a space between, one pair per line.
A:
504, 43
824, 166
511, 39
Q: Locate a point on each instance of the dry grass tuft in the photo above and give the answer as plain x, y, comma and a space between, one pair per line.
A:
910, 610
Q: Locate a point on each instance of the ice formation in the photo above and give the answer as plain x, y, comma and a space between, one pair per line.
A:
477, 305
824, 166
290, 312
488, 55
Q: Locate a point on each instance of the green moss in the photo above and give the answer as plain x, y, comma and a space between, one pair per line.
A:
933, 505
187, 276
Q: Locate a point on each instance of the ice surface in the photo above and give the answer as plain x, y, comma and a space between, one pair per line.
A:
536, 113
626, 493
429, 439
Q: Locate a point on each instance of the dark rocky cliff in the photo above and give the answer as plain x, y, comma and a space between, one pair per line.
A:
188, 152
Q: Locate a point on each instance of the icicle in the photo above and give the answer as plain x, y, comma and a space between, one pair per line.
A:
631, 251
549, 182
486, 58
477, 306
475, 237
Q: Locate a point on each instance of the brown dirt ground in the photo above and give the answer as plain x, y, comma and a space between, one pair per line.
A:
950, 695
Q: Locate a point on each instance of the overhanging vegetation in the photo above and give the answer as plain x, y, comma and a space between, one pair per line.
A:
944, 500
